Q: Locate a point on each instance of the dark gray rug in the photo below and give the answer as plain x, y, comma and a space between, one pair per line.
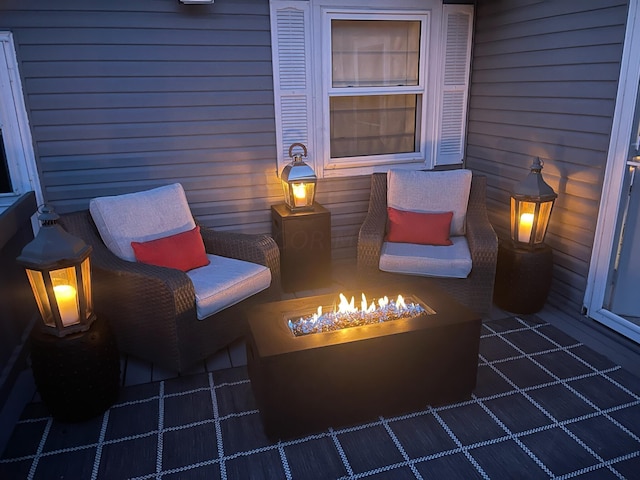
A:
545, 406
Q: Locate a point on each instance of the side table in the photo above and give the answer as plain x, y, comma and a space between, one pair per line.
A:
523, 278
77, 376
304, 239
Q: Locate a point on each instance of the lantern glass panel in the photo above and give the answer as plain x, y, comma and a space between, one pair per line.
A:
86, 286
302, 194
522, 220
36, 280
543, 219
64, 284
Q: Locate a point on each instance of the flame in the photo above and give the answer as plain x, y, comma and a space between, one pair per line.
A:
348, 306
346, 314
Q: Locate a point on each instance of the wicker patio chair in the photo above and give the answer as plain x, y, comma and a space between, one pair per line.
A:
152, 309
475, 291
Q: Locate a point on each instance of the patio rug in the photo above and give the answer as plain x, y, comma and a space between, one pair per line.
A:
545, 406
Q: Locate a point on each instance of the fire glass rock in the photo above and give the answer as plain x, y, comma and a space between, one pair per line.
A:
346, 315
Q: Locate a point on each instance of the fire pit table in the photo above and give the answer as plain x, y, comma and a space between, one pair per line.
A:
305, 384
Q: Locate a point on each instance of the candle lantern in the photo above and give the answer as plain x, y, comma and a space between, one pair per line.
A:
298, 182
57, 265
531, 204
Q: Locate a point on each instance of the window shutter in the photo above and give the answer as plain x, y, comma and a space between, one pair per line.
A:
457, 25
290, 31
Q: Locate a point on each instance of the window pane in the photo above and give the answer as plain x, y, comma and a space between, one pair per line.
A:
374, 125
374, 53
5, 181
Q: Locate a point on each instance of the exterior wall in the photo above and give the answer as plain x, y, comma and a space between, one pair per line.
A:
544, 82
125, 96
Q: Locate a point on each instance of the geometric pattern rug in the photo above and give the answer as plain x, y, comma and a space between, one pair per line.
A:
545, 406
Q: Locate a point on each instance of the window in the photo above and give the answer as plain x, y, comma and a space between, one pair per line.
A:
366, 89
375, 92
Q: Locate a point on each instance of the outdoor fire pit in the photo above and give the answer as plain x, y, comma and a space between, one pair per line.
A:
308, 382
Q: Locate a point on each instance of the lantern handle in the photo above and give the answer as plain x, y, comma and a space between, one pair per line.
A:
47, 215
297, 145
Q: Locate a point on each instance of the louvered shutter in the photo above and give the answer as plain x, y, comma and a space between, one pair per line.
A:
290, 31
457, 24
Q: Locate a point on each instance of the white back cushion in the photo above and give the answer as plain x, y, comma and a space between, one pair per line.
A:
432, 191
140, 217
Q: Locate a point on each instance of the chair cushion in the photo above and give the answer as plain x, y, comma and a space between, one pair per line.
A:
225, 282
422, 228
427, 260
183, 251
140, 217
432, 191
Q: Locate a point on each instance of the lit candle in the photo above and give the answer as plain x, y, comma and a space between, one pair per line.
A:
299, 194
67, 304
525, 227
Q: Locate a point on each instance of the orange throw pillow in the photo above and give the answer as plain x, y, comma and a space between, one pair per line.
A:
183, 251
417, 227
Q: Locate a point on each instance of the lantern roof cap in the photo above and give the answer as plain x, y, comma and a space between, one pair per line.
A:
53, 246
298, 170
533, 186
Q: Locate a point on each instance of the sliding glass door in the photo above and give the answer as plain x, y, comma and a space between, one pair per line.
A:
623, 286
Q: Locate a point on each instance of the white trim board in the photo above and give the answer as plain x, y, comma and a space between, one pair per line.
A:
15, 127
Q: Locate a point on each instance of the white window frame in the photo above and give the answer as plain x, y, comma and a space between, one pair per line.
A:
301, 53
16, 132
422, 156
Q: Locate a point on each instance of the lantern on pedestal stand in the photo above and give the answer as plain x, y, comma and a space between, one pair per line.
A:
525, 264
74, 358
298, 182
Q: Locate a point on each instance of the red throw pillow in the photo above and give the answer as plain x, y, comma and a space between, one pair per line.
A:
183, 251
421, 228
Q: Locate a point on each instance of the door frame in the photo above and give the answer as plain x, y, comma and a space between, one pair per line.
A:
618, 151
16, 130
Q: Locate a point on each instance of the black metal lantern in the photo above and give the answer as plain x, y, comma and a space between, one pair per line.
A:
531, 204
298, 182
57, 264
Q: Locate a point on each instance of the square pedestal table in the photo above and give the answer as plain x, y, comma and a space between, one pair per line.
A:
308, 383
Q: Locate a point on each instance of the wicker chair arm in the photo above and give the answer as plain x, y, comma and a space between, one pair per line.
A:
372, 230
370, 239
481, 237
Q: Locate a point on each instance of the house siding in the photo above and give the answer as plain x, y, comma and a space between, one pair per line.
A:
124, 96
544, 83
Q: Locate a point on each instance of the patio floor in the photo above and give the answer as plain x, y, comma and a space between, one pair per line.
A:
142, 374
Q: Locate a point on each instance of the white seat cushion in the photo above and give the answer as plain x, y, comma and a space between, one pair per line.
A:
140, 217
427, 260
225, 282
432, 191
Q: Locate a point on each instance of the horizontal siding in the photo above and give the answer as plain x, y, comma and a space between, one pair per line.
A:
348, 200
124, 96
544, 82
